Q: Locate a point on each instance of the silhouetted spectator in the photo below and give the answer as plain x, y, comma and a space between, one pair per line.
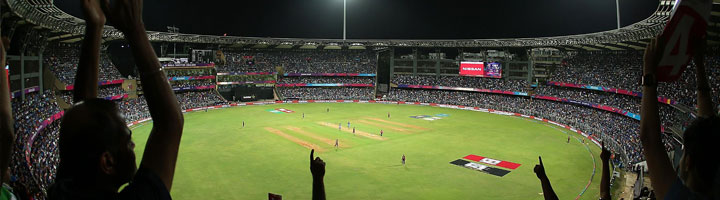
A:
96, 148
697, 176
548, 191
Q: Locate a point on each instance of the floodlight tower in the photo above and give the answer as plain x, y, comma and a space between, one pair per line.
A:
617, 10
344, 20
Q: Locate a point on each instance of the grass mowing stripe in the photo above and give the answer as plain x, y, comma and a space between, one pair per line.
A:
294, 139
342, 143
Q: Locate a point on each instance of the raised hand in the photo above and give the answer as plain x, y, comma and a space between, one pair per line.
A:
94, 14
317, 166
548, 192
125, 15
605, 154
653, 54
540, 169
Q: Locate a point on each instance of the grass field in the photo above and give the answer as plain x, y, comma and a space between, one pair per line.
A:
221, 159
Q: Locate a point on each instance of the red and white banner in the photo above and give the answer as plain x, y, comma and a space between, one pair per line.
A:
490, 161
682, 35
472, 69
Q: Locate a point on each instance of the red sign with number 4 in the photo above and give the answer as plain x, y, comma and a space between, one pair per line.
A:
683, 33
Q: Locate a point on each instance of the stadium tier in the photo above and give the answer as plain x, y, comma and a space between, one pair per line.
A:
37, 165
63, 61
249, 104
301, 61
620, 70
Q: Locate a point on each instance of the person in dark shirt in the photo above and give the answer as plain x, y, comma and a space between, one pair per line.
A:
605, 176
7, 133
697, 175
96, 149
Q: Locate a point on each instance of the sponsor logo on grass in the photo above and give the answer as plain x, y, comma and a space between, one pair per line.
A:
490, 161
484, 164
280, 111
429, 117
480, 167
284, 110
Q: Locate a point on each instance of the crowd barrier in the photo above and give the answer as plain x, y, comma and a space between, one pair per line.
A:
608, 89
116, 97
323, 85
328, 74
188, 78
189, 65
470, 108
245, 73
101, 83
246, 82
29, 90
565, 100
204, 87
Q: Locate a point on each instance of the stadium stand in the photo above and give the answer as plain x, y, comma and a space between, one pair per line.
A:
594, 68
325, 80
245, 78
34, 157
622, 130
190, 72
338, 93
192, 83
198, 99
133, 109
107, 92
63, 58
462, 81
301, 61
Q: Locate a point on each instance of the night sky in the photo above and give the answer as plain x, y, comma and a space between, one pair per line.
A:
388, 19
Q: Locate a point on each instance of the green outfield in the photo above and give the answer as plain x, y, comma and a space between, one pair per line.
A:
221, 159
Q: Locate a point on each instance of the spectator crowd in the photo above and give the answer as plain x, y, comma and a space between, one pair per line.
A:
63, 61
463, 81
192, 83
34, 171
327, 93
619, 69
301, 61
175, 72
328, 79
245, 78
602, 124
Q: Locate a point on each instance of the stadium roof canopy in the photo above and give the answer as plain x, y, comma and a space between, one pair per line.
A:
67, 28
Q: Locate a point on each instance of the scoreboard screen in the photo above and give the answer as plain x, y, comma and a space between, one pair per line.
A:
481, 69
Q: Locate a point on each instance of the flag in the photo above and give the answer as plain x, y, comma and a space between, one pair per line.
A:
683, 33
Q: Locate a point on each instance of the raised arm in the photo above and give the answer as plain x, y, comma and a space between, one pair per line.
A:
662, 174
705, 104
547, 189
161, 149
605, 179
317, 169
86, 79
7, 134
